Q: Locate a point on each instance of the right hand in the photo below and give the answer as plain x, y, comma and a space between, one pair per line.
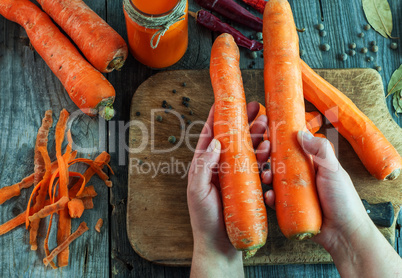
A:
343, 211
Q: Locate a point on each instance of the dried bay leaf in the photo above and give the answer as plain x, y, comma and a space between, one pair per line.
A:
395, 82
397, 102
378, 14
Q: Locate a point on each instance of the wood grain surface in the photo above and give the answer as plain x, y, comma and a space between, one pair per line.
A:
157, 215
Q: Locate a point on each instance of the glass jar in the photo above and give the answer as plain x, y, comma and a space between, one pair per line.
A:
157, 30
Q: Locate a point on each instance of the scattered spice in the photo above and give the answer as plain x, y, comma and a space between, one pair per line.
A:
253, 54
99, 225
373, 43
184, 84
360, 35
191, 112
185, 103
320, 27
259, 35
374, 48
363, 50
174, 91
343, 57
159, 118
189, 122
352, 45
302, 52
323, 33
378, 68
172, 139
351, 52
137, 113
393, 45
325, 47
367, 27
369, 59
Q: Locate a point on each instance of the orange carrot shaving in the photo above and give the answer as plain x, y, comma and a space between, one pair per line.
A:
8, 192
88, 191
99, 225
75, 208
64, 223
88, 203
12, 223
64, 245
41, 141
50, 209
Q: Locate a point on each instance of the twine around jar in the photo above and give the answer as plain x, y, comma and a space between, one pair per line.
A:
160, 23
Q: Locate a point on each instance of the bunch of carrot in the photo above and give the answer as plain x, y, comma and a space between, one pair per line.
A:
104, 48
53, 192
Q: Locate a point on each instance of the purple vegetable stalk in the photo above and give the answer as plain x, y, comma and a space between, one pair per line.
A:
213, 23
232, 11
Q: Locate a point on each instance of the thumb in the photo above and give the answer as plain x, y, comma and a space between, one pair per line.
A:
321, 150
201, 169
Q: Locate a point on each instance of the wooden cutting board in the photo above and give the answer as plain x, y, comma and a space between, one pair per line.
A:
158, 223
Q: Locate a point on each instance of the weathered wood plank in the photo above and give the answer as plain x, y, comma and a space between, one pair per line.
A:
27, 89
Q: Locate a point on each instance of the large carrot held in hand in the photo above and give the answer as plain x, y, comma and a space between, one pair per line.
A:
297, 206
377, 154
104, 48
243, 206
86, 86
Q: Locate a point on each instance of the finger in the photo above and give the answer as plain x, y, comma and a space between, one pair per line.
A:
266, 176
263, 152
257, 130
201, 169
206, 135
252, 110
269, 198
321, 150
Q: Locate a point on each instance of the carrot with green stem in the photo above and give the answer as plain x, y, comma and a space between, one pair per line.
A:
297, 205
377, 154
103, 47
86, 86
243, 206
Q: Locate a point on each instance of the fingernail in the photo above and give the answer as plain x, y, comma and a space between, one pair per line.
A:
212, 146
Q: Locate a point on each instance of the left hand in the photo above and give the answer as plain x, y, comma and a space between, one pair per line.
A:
203, 195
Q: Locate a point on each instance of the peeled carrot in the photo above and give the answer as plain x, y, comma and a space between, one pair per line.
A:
243, 206
12, 223
49, 209
41, 141
104, 48
99, 225
86, 86
377, 154
297, 205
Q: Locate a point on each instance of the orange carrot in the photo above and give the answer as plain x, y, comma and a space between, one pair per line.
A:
103, 47
99, 225
64, 245
313, 121
75, 208
88, 191
243, 206
297, 206
86, 86
377, 154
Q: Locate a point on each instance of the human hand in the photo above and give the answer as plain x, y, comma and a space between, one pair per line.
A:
205, 207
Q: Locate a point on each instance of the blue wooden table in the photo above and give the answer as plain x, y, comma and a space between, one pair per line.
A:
28, 88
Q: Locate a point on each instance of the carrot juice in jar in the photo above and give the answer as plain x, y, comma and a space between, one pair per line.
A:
157, 30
